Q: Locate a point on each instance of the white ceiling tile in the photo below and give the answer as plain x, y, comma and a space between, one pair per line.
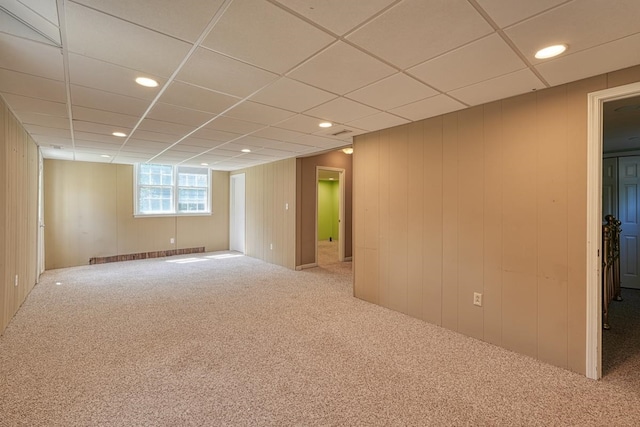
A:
260, 33
378, 121
97, 35
218, 72
31, 18
322, 142
340, 69
301, 123
174, 114
202, 143
43, 120
197, 98
165, 127
104, 117
30, 57
338, 16
87, 143
184, 19
573, 24
99, 128
35, 130
193, 149
52, 153
430, 107
15, 27
483, 59
93, 98
227, 124
392, 92
215, 135
34, 105
32, 86
139, 146
98, 137
341, 110
522, 81
341, 132
505, 13
601, 59
95, 74
292, 95
416, 30
279, 134
145, 135
258, 113
46, 8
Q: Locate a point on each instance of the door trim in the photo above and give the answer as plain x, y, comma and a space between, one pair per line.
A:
233, 182
594, 221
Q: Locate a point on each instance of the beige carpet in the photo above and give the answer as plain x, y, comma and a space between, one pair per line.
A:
232, 341
327, 252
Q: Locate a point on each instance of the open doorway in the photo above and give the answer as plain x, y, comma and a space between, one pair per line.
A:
330, 242
596, 101
237, 213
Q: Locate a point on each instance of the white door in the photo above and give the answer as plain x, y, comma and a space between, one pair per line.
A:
629, 196
610, 187
237, 213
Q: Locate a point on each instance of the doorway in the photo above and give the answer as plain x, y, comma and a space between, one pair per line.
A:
237, 213
596, 102
330, 242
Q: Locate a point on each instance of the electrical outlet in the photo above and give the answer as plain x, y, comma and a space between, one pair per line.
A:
286, 206
172, 240
271, 246
15, 282
477, 299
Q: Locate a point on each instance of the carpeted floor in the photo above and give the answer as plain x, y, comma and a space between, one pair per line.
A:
223, 340
621, 343
327, 252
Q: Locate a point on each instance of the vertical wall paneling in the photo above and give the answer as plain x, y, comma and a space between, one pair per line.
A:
361, 285
432, 228
551, 175
398, 226
493, 180
415, 219
503, 211
384, 211
450, 221
470, 220
268, 189
371, 188
18, 215
576, 210
520, 237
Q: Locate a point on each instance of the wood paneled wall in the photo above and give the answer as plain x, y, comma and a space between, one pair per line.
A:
89, 213
270, 227
491, 199
18, 215
306, 188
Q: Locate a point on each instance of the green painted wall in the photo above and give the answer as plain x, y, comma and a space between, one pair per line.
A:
328, 203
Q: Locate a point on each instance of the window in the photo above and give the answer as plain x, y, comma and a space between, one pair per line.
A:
171, 190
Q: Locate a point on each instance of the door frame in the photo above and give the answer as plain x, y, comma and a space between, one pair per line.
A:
341, 238
594, 221
233, 179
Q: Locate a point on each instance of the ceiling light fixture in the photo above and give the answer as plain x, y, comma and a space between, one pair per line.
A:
204, 164
325, 125
245, 150
348, 150
106, 156
147, 82
119, 134
551, 51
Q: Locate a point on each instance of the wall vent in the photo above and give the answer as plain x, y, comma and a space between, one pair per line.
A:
342, 132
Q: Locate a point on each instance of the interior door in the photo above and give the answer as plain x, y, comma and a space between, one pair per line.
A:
629, 196
610, 187
237, 213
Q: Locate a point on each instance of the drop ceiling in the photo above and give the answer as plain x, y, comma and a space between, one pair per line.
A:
262, 74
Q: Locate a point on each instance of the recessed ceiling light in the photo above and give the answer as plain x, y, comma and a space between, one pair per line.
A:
147, 82
204, 164
106, 156
325, 125
348, 150
119, 134
551, 51
245, 150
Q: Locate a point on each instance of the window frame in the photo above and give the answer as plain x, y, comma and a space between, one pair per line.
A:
175, 170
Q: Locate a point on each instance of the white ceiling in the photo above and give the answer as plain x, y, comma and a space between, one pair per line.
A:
261, 74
